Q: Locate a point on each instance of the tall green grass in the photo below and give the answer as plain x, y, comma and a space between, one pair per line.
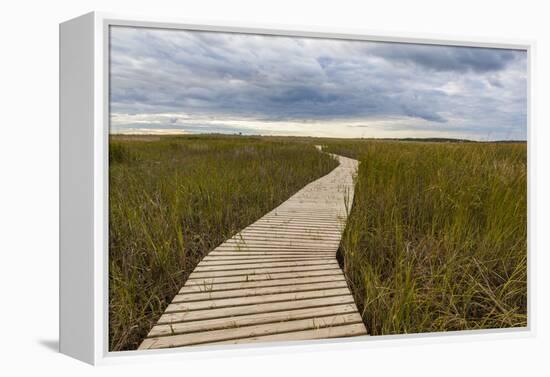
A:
173, 199
437, 236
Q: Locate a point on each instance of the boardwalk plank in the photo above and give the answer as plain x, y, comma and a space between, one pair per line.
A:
251, 319
198, 287
268, 254
248, 300
198, 315
211, 266
233, 293
252, 258
251, 331
261, 271
345, 331
270, 276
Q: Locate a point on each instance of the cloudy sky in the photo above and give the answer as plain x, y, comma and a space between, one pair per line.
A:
173, 81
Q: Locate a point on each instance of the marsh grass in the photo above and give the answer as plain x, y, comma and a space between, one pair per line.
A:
173, 199
437, 236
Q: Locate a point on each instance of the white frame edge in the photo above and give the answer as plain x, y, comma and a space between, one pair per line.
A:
84, 133
76, 186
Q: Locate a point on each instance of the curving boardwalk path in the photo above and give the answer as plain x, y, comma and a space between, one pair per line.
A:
278, 279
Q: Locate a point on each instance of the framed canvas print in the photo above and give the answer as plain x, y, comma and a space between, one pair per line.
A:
225, 188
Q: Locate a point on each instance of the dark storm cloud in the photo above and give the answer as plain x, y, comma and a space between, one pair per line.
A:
446, 58
220, 75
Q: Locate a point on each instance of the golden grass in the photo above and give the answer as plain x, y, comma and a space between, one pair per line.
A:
437, 236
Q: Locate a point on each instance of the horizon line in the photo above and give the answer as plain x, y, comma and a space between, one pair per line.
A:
316, 137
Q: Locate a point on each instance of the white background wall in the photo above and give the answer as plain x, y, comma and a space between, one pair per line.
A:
29, 183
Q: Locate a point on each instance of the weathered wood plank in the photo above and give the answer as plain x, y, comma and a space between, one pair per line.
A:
251, 331
197, 315
234, 293
211, 266
248, 300
268, 254
318, 236
252, 319
282, 245
262, 271
345, 331
270, 276
278, 248
243, 247
228, 260
199, 286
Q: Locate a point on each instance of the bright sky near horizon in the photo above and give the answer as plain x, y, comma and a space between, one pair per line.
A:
175, 81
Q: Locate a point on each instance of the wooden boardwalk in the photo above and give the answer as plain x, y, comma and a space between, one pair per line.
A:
278, 279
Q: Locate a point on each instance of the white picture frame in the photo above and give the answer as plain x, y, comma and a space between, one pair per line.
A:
84, 130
